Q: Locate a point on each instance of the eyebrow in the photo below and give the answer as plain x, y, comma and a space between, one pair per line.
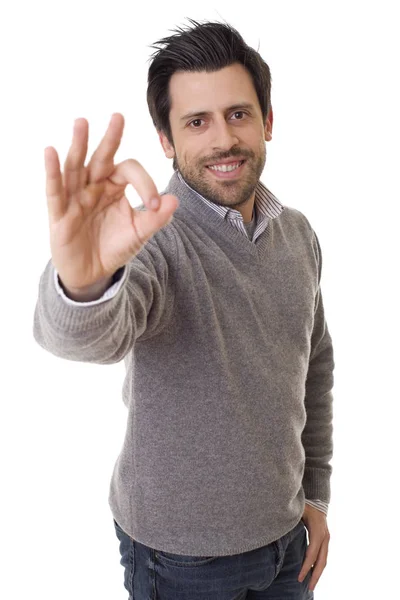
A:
205, 113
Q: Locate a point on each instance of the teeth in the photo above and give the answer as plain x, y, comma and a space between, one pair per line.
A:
225, 168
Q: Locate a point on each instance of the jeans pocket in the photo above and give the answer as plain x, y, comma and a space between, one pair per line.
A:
183, 560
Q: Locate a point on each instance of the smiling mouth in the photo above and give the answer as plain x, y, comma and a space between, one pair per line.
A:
226, 168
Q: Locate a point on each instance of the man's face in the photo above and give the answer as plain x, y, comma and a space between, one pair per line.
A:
216, 118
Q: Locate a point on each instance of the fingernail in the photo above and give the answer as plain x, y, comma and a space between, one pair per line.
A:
154, 203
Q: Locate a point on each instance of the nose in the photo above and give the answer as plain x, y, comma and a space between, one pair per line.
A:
224, 136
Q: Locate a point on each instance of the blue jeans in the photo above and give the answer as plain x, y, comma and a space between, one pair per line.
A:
267, 573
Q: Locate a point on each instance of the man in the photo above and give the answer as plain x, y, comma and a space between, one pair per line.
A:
212, 297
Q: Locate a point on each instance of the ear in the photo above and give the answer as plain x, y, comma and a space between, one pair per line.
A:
168, 149
268, 126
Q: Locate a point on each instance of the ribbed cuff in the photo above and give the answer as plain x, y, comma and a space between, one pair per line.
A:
316, 483
68, 315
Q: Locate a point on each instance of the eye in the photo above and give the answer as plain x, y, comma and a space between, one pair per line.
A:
239, 112
195, 121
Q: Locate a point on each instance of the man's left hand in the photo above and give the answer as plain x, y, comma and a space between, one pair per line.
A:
317, 550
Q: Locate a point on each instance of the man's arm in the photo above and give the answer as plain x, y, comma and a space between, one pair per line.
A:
103, 332
317, 434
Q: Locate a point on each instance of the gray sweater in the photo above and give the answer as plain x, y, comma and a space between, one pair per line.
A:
229, 375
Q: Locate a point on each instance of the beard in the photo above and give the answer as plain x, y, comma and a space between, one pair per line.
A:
225, 192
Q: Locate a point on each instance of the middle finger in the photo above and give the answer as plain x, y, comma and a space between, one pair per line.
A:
101, 164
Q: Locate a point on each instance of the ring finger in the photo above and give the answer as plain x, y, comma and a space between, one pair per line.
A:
101, 164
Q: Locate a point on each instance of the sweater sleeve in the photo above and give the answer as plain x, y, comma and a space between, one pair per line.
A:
317, 434
104, 331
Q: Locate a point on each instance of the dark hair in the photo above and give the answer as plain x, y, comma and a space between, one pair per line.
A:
204, 47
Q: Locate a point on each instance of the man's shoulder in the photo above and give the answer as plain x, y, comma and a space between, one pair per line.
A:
296, 217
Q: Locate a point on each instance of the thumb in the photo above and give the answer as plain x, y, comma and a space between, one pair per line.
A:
146, 222
149, 221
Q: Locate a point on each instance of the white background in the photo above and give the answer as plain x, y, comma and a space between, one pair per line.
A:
334, 156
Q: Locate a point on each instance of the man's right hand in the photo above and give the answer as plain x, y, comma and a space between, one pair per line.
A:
93, 229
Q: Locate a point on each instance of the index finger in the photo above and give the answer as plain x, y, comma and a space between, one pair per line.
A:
130, 171
319, 565
101, 164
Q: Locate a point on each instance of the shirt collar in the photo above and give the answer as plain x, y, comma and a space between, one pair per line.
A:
266, 203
